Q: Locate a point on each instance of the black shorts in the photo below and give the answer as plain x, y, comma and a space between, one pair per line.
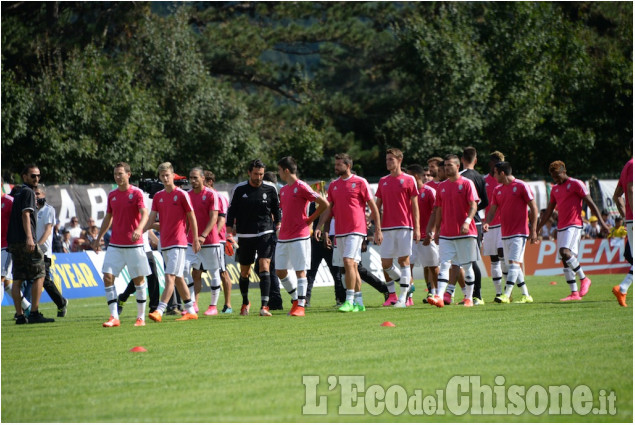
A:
248, 247
27, 265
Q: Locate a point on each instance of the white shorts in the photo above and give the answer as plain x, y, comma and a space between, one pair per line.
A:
293, 255
629, 235
221, 259
337, 258
458, 251
569, 238
174, 259
426, 256
514, 249
349, 246
397, 243
7, 262
206, 257
492, 241
135, 258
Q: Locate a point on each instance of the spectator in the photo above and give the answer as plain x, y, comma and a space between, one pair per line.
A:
57, 238
76, 234
91, 236
549, 229
66, 241
608, 219
594, 230
618, 232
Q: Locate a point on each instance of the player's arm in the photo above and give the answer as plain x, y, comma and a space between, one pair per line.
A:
321, 204
150, 224
465, 227
230, 219
533, 220
490, 216
415, 218
617, 198
629, 194
105, 225
191, 219
213, 219
438, 211
138, 232
596, 212
374, 211
324, 218
546, 216
47, 232
220, 223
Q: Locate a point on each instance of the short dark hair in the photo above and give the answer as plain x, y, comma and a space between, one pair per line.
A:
395, 152
504, 167
123, 165
469, 154
288, 163
270, 176
436, 159
345, 158
209, 175
453, 158
26, 169
415, 169
256, 163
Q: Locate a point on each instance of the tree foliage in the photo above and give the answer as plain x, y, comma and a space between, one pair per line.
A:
218, 84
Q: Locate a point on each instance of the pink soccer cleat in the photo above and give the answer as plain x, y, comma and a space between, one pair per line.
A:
211, 311
391, 300
467, 302
409, 302
447, 298
585, 284
575, 296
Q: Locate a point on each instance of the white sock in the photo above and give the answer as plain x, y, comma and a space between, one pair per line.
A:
497, 275
626, 283
140, 293
512, 275
161, 307
504, 268
469, 280
189, 306
575, 266
190, 287
215, 287
405, 283
111, 298
569, 276
358, 298
350, 295
289, 285
451, 288
393, 272
520, 280
391, 286
302, 287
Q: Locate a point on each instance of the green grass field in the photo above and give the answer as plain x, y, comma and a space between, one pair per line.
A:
250, 369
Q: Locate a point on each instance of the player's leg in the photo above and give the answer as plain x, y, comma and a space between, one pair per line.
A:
139, 268
621, 290
114, 262
246, 255
387, 252
283, 263
266, 245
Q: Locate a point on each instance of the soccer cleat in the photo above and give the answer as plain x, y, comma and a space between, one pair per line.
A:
392, 299
447, 298
111, 323
265, 311
155, 316
461, 302
21, 320
621, 298
211, 311
120, 304
293, 307
61, 312
585, 284
244, 310
437, 301
37, 317
497, 298
227, 310
140, 322
478, 301
525, 299
502, 299
468, 302
187, 316
575, 296
399, 304
358, 307
299, 312
411, 289
409, 302
347, 307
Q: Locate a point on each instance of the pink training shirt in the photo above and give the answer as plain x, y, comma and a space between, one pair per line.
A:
625, 178
511, 200
426, 199
349, 198
124, 206
433, 184
490, 185
454, 200
7, 205
223, 204
568, 197
203, 203
294, 201
395, 194
172, 208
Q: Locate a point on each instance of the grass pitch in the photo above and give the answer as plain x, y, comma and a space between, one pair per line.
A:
250, 369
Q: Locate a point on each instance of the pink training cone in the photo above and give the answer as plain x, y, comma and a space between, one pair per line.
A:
388, 324
553, 282
138, 350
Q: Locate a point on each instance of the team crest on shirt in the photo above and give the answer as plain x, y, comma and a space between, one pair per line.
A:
161, 200
460, 187
423, 195
401, 181
353, 185
514, 189
175, 198
264, 196
499, 193
385, 184
569, 186
204, 197
130, 196
295, 190
114, 198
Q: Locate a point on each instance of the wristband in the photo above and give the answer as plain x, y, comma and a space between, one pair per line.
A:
468, 220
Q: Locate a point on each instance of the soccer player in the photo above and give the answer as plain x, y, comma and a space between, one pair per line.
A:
512, 197
625, 187
348, 197
568, 194
205, 203
127, 214
7, 204
456, 205
492, 242
28, 259
223, 204
437, 172
173, 206
293, 251
397, 192
254, 216
425, 252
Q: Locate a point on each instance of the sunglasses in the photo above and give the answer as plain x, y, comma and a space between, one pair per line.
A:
33, 176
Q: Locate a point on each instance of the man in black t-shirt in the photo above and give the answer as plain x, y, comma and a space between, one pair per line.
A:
28, 259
